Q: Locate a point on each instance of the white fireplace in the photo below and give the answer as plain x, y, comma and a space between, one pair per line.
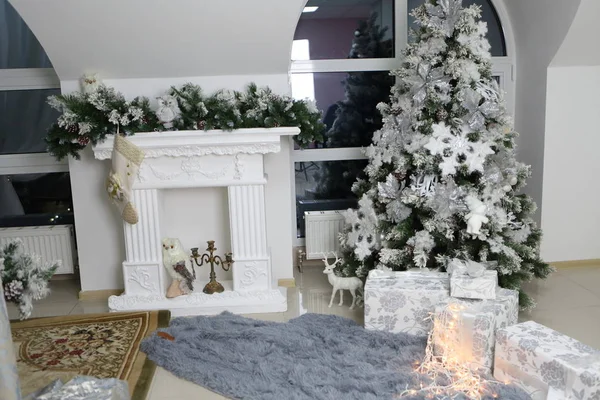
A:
200, 159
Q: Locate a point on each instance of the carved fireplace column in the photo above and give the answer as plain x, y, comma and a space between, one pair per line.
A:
247, 217
142, 269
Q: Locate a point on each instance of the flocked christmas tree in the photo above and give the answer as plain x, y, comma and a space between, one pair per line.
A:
356, 117
24, 277
442, 180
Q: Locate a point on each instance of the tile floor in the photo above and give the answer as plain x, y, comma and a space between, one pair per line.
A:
569, 301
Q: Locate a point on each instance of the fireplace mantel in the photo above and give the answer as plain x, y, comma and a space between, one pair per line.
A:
201, 143
194, 159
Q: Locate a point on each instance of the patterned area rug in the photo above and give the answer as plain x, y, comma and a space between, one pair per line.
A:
100, 345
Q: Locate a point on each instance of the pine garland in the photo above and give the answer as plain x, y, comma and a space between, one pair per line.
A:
23, 276
89, 116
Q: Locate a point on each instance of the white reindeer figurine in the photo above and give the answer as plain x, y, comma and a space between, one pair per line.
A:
352, 284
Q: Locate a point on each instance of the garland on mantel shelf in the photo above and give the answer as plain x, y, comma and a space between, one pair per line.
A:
99, 110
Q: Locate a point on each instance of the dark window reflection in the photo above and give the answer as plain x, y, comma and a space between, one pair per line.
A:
325, 185
488, 14
348, 103
35, 199
331, 30
24, 120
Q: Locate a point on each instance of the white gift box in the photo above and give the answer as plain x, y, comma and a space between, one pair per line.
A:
468, 287
465, 332
404, 301
471, 280
547, 364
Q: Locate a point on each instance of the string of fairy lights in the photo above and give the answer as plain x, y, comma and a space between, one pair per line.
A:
444, 371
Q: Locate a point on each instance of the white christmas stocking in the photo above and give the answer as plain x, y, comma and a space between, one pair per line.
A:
126, 160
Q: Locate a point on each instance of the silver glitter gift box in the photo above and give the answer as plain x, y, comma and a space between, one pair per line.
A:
547, 364
84, 388
404, 301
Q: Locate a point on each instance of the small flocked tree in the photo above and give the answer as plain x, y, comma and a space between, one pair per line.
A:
356, 117
23, 276
444, 163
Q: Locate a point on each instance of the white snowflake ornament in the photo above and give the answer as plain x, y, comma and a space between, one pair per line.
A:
450, 146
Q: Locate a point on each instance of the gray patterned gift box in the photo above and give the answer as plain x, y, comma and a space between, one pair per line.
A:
505, 306
546, 363
465, 286
465, 331
404, 301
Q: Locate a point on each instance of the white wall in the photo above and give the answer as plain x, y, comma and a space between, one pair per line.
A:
157, 38
571, 214
579, 47
539, 27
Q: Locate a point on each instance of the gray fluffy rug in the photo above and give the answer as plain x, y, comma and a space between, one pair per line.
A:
311, 357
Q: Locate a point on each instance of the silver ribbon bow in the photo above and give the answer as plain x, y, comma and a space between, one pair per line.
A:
469, 267
444, 15
425, 76
478, 113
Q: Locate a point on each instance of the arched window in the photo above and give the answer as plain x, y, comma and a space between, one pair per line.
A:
489, 14
34, 188
342, 53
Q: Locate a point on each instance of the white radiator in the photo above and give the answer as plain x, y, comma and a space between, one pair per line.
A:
51, 243
322, 231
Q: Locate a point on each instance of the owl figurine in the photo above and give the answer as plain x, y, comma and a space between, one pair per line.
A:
179, 267
167, 111
90, 83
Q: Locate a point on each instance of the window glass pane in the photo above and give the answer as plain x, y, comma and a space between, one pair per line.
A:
35, 199
488, 14
338, 29
19, 48
325, 185
348, 102
24, 119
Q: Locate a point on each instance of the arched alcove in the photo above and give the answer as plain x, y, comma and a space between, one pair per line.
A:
34, 189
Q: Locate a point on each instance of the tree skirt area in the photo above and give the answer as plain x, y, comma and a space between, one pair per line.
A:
314, 356
99, 345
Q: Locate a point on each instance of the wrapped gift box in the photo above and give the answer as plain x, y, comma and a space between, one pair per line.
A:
465, 332
83, 388
404, 301
472, 280
546, 363
465, 286
505, 306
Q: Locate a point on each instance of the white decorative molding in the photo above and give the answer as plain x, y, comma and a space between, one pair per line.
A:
202, 143
252, 272
142, 277
193, 159
190, 167
240, 167
197, 151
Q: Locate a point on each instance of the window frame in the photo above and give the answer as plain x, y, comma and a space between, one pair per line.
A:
29, 163
504, 67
